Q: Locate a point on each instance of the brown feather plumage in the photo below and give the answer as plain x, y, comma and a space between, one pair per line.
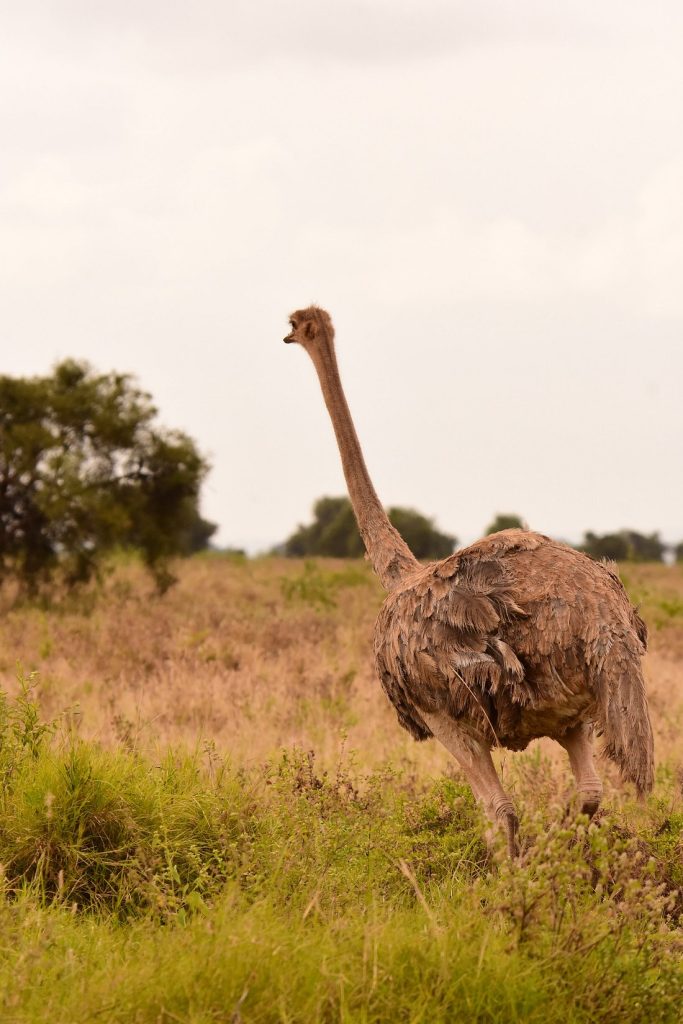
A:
530, 639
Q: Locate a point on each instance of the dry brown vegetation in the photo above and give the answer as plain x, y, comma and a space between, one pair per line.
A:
143, 883
258, 655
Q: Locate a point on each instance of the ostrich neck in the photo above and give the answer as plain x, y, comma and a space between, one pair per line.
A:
389, 554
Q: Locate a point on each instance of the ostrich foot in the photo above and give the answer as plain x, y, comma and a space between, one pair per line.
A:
587, 801
589, 805
508, 822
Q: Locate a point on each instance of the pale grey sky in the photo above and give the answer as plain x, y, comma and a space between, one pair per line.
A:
487, 195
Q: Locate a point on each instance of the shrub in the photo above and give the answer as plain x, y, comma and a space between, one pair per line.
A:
333, 533
84, 470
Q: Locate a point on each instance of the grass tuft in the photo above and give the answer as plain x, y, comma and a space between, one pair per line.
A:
186, 889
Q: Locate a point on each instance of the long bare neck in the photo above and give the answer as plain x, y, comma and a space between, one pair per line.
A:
391, 557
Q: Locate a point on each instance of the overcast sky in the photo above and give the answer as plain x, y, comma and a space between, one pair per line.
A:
486, 195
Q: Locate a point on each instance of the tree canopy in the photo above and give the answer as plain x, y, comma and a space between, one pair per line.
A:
83, 470
505, 521
334, 533
626, 545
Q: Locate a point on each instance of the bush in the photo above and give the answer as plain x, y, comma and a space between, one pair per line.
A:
318, 588
83, 470
626, 545
505, 521
333, 533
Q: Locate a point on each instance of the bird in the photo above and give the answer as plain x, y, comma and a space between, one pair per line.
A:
512, 638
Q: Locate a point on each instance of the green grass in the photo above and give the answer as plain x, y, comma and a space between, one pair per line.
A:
661, 605
317, 587
186, 890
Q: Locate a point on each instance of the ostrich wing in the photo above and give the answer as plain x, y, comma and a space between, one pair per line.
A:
439, 646
515, 623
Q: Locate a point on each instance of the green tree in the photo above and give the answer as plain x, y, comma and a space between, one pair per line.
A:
644, 547
83, 470
505, 521
678, 552
421, 535
609, 545
334, 533
626, 545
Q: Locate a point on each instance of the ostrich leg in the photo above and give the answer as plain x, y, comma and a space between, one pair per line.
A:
578, 742
476, 762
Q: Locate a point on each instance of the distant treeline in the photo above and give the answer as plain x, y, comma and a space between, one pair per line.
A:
333, 533
86, 470
628, 546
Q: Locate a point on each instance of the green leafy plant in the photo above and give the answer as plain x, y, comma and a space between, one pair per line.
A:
318, 587
333, 533
83, 469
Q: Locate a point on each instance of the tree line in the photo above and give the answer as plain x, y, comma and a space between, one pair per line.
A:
85, 469
333, 533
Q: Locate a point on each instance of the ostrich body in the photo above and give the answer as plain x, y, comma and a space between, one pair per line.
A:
512, 638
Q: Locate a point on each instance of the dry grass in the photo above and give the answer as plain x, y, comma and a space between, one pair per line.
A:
139, 884
259, 655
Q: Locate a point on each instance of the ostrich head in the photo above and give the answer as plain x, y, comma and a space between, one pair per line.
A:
310, 327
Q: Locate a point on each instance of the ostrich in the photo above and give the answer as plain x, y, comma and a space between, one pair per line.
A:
514, 637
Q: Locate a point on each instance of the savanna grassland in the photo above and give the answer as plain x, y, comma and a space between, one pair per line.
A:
209, 813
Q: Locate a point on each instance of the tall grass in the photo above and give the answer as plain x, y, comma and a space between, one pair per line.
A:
259, 655
208, 813
189, 889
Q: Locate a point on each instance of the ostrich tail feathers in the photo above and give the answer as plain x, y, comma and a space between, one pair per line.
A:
623, 716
